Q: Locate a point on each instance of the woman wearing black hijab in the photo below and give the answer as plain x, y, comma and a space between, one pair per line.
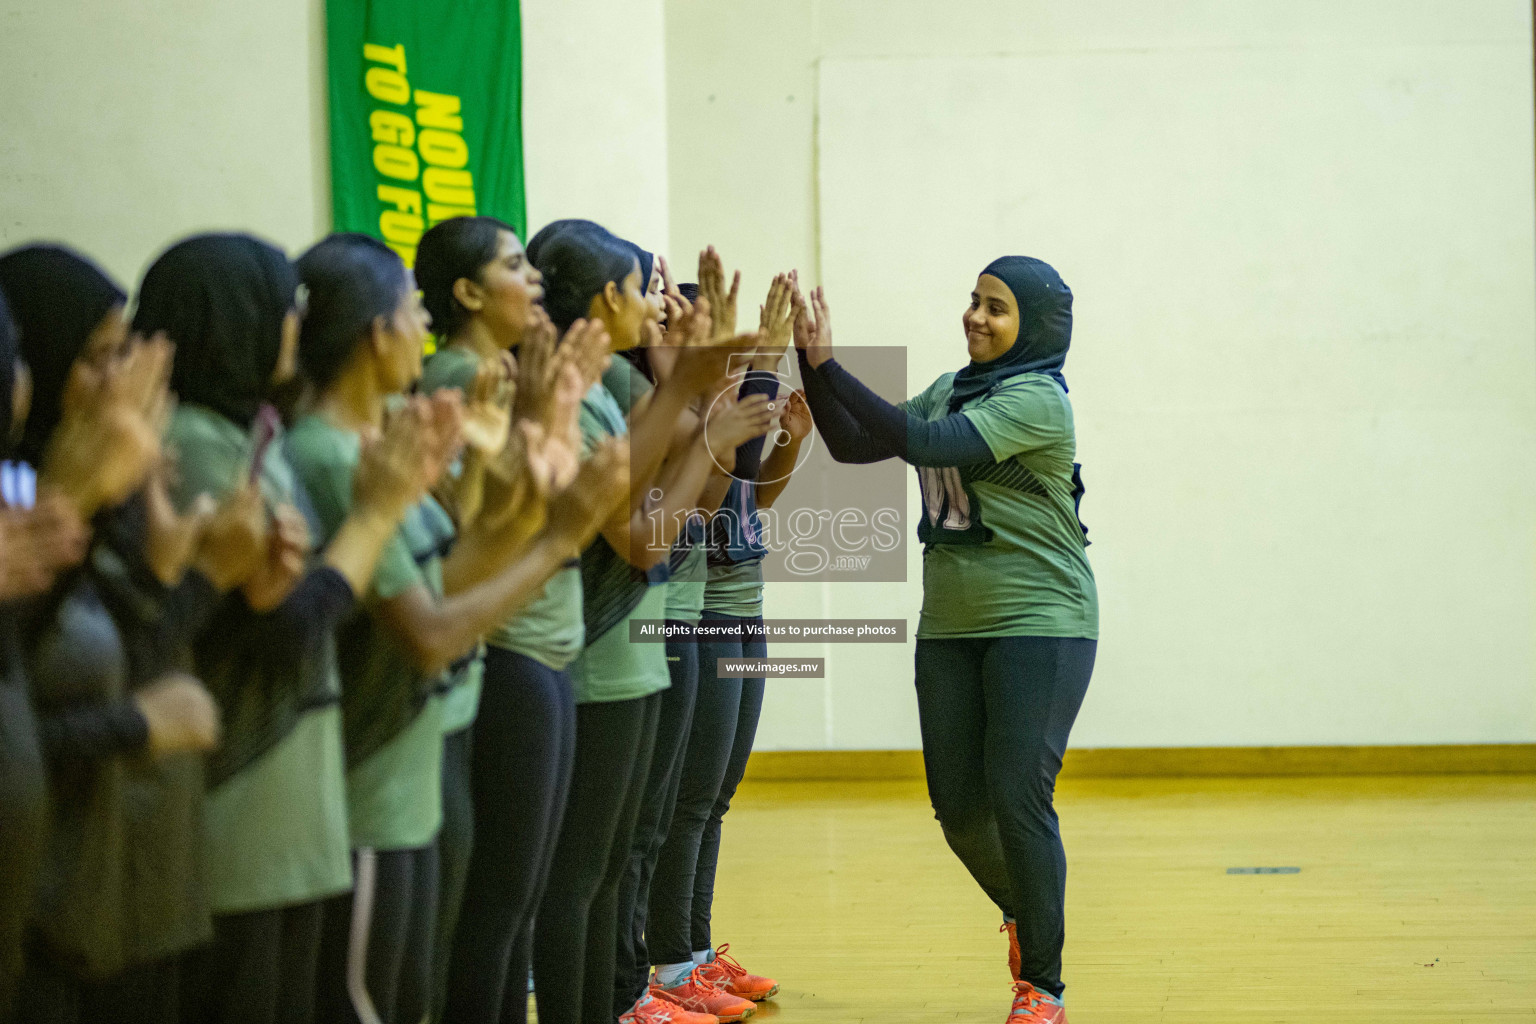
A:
1009, 625
121, 723
23, 782
275, 838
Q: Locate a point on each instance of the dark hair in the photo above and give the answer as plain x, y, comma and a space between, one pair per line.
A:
451, 249
578, 259
352, 281
222, 300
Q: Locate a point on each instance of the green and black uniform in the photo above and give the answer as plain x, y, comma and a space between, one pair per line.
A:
275, 839
454, 368
618, 688
1009, 624
392, 722
523, 743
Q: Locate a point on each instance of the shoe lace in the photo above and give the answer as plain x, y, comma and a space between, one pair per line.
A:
727, 962
651, 1010
707, 979
1026, 1003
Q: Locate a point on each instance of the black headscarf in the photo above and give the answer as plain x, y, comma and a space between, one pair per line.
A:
9, 353
57, 299
1045, 329
222, 300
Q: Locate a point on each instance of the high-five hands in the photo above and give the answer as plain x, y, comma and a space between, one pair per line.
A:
813, 325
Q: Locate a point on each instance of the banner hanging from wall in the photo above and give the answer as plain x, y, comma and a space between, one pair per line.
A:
426, 115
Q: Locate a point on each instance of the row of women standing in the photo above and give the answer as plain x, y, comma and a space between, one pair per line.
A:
319, 700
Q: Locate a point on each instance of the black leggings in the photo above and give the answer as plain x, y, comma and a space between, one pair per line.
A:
525, 740
995, 715
259, 969
634, 963
376, 942
51, 993
724, 725
455, 844
575, 934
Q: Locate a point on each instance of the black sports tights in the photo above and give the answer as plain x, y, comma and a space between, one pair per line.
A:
259, 969
634, 963
575, 931
376, 941
524, 742
995, 715
724, 725
455, 846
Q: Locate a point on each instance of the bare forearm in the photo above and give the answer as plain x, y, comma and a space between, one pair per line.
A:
438, 632
354, 550
479, 555
650, 435
775, 473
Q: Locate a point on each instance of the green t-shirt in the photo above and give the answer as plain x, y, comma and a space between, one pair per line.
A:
735, 589
393, 717
1026, 571
611, 668
685, 588
275, 832
454, 367
548, 629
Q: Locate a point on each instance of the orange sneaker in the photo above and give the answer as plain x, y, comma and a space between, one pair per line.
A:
1031, 1006
725, 972
701, 996
650, 1010
1014, 957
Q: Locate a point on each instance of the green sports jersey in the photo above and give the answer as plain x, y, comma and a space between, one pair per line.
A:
548, 629
275, 828
610, 668
455, 368
1017, 565
735, 589
391, 712
685, 588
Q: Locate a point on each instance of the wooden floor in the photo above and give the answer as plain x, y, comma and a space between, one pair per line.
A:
1415, 902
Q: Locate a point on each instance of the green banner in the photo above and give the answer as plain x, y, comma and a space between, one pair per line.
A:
426, 115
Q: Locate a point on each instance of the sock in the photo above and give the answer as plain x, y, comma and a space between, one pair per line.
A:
673, 975
703, 956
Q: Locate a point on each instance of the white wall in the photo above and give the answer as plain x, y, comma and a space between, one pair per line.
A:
127, 125
1306, 366
594, 115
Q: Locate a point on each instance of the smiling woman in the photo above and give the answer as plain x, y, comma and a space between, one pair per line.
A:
1000, 675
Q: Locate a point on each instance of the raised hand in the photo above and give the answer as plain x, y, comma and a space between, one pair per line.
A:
444, 422
488, 408
396, 466
282, 563
736, 423
37, 543
776, 321
796, 419
698, 367
171, 538
601, 485
182, 716
108, 440
234, 540
722, 303
813, 325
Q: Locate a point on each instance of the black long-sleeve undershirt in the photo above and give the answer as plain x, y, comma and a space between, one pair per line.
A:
847, 441
952, 440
